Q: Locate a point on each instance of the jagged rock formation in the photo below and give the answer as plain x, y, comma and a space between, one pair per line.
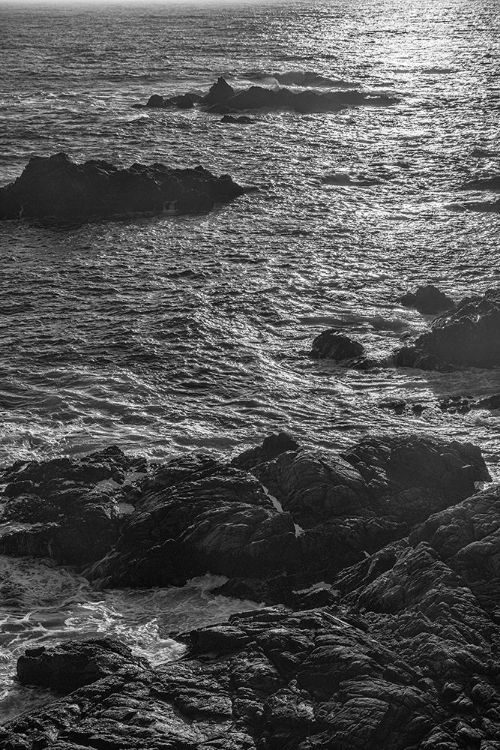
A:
224, 99
398, 650
55, 187
68, 509
468, 336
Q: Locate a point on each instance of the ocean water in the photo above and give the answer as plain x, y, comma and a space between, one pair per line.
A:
169, 334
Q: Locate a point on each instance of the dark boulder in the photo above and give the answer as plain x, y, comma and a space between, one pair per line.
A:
69, 666
72, 505
156, 101
241, 120
469, 336
331, 344
428, 300
182, 101
55, 187
208, 518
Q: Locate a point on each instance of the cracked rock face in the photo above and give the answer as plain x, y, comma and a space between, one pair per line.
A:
396, 648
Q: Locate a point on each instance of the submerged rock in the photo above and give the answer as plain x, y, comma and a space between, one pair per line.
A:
469, 336
55, 187
427, 299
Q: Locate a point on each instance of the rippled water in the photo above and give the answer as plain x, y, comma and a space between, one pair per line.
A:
172, 333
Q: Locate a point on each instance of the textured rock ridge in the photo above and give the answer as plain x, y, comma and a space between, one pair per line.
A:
398, 650
55, 187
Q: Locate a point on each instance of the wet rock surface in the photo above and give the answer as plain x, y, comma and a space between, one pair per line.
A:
67, 509
468, 336
55, 187
382, 566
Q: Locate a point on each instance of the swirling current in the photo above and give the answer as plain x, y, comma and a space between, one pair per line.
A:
175, 333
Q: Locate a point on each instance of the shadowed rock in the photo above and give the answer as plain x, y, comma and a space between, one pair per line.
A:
55, 187
331, 344
469, 336
427, 299
224, 99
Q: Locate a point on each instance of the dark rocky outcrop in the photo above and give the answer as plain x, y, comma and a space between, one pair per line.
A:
298, 513
223, 99
220, 92
398, 650
428, 300
469, 336
55, 187
66, 509
241, 120
69, 666
197, 515
308, 101
331, 344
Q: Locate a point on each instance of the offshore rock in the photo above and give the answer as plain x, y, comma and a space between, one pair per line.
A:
305, 102
241, 120
219, 93
469, 336
331, 344
428, 300
55, 187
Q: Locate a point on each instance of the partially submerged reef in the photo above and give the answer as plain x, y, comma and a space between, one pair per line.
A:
58, 188
223, 99
378, 566
466, 335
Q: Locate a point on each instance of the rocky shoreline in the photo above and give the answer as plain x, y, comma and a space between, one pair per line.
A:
379, 568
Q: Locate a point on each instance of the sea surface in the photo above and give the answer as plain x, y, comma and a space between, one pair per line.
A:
172, 334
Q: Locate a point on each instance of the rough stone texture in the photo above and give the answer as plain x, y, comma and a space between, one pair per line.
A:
398, 651
55, 187
467, 337
68, 509
211, 517
428, 300
71, 665
418, 671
